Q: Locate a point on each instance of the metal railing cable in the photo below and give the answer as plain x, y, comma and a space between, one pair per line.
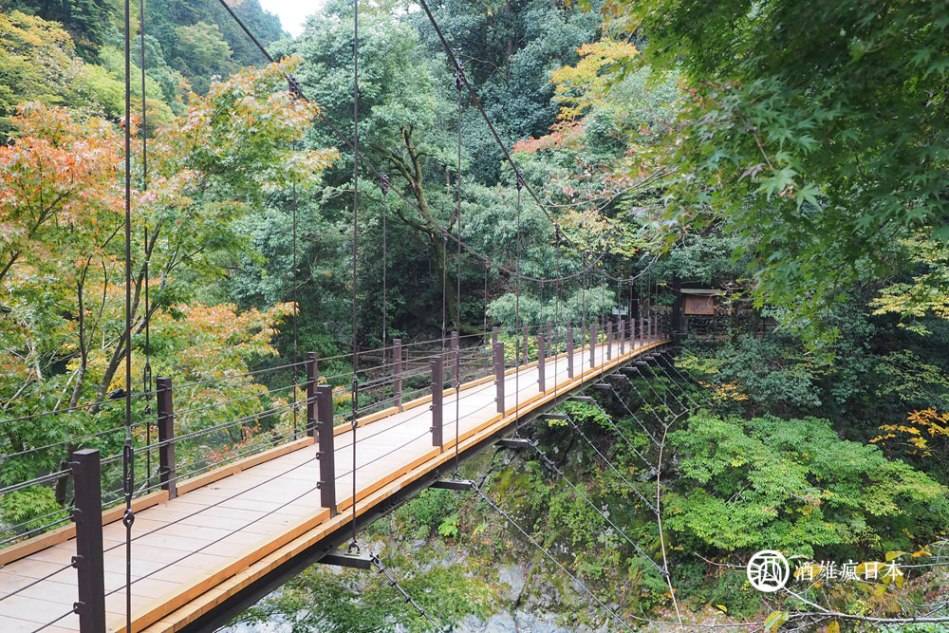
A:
28, 417
406, 596
212, 506
219, 539
629, 484
677, 381
238, 375
20, 530
586, 498
641, 424
667, 391
39, 580
563, 568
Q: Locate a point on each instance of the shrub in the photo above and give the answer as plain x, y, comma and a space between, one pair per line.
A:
795, 485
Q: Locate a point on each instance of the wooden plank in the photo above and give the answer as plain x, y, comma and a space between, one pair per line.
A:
67, 532
241, 465
237, 558
389, 485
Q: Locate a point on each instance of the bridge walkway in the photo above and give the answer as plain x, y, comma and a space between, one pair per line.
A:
190, 554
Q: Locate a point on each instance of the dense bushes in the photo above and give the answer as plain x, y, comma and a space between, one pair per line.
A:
794, 485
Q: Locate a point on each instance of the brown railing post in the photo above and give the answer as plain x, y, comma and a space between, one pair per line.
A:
90, 607
541, 366
642, 325
609, 340
326, 450
494, 336
621, 335
527, 345
569, 351
499, 376
397, 371
312, 373
438, 394
166, 436
551, 347
592, 345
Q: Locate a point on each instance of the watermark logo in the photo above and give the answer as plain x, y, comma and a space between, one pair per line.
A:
768, 571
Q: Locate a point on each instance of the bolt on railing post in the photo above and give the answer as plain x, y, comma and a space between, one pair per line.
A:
499, 376
326, 450
397, 371
592, 345
86, 471
456, 358
570, 351
166, 436
312, 374
438, 394
541, 366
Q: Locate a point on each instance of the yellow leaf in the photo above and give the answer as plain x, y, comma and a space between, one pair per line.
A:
893, 555
833, 627
775, 621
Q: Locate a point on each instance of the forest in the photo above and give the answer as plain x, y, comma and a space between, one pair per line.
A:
784, 162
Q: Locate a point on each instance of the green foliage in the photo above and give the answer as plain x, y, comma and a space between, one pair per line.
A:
320, 601
205, 53
585, 413
794, 485
90, 22
770, 374
448, 528
927, 293
583, 305
431, 511
816, 135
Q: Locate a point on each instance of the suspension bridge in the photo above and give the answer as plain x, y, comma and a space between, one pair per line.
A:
185, 544
199, 542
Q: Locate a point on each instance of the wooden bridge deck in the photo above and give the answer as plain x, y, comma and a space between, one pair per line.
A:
192, 553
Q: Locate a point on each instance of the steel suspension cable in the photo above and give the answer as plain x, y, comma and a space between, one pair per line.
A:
354, 423
384, 188
458, 224
517, 307
296, 89
128, 477
296, 301
147, 370
573, 577
475, 99
576, 428
589, 501
406, 596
